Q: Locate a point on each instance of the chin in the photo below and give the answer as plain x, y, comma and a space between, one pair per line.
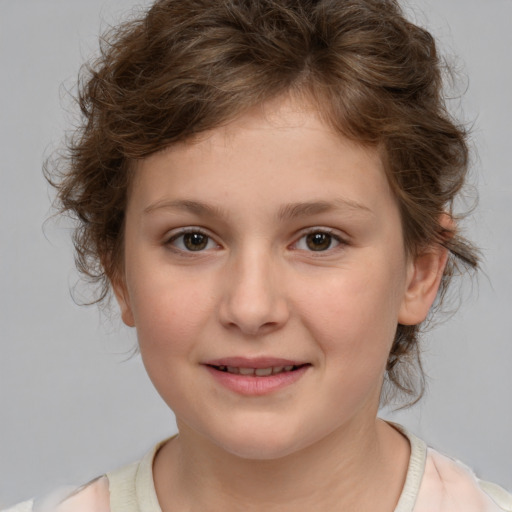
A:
262, 442
260, 449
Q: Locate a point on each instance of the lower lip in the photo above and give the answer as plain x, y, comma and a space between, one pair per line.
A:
253, 385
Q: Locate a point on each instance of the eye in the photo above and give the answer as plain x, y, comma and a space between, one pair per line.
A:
192, 241
318, 241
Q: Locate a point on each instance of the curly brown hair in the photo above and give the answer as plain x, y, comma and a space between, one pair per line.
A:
186, 66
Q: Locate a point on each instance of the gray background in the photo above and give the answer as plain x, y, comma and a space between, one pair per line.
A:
72, 406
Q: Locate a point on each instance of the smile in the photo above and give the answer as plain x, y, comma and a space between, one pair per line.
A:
256, 377
257, 372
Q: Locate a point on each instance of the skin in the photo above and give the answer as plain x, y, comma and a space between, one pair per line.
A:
254, 190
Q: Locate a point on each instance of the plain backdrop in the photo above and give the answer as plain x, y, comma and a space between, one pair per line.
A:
74, 405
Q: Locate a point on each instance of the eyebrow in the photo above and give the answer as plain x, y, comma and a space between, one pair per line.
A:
305, 209
195, 207
286, 212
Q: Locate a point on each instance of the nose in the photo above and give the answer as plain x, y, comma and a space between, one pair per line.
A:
254, 300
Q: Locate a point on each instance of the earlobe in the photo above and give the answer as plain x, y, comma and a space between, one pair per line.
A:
123, 299
423, 280
117, 280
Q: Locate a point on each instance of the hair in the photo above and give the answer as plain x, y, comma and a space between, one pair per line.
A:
187, 66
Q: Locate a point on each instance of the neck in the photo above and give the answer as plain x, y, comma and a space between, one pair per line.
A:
335, 473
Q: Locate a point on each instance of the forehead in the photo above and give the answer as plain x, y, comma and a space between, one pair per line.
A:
281, 152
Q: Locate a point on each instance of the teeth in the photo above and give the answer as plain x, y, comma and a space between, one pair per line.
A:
263, 372
258, 372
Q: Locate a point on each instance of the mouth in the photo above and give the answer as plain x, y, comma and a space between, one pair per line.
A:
256, 376
258, 372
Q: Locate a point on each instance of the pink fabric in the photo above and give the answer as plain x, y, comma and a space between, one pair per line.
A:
449, 486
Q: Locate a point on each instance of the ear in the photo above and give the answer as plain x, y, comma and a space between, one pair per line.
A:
424, 277
123, 299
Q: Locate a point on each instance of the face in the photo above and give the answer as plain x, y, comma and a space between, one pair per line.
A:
265, 273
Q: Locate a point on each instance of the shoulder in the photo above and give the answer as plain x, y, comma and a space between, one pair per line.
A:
125, 489
448, 485
92, 497
26, 506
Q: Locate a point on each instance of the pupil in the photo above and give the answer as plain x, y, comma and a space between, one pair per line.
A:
195, 241
318, 241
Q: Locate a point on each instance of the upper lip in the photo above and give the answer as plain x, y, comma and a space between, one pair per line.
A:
257, 362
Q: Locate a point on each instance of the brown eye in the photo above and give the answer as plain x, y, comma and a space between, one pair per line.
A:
192, 241
319, 241
195, 241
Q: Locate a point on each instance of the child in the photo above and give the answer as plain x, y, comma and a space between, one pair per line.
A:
266, 187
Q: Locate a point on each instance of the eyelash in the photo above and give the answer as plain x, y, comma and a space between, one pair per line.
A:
188, 231
332, 237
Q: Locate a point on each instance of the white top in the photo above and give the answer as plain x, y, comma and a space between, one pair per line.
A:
434, 483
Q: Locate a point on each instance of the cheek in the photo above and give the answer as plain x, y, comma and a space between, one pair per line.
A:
168, 311
353, 315
354, 331
169, 317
